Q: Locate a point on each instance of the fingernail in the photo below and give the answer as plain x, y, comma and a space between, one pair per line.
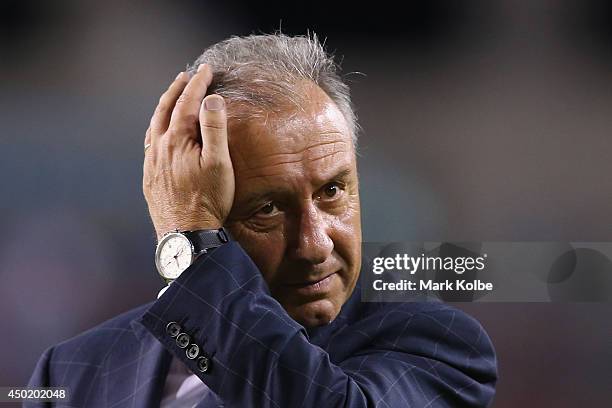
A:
200, 67
214, 103
179, 75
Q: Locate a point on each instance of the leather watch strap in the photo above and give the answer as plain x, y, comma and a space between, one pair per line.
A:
205, 240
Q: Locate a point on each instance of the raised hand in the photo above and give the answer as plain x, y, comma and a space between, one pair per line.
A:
188, 179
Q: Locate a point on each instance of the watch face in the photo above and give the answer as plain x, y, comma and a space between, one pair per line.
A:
174, 255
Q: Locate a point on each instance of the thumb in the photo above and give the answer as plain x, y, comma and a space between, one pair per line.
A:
213, 126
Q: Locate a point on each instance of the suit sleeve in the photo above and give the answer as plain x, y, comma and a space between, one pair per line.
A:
40, 378
260, 357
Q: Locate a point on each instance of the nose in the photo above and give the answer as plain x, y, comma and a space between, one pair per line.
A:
313, 243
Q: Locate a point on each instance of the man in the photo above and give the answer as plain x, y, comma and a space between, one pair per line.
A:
258, 137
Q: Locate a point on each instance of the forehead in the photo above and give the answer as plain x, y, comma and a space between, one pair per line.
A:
311, 141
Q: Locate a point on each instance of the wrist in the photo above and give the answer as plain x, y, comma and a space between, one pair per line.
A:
186, 226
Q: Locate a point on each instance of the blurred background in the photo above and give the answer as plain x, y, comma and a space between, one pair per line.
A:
482, 120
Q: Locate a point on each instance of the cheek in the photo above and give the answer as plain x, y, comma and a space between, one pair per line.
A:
347, 235
350, 221
265, 249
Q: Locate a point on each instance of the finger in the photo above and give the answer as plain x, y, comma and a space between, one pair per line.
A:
213, 127
185, 114
161, 117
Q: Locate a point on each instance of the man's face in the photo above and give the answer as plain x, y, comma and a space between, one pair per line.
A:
296, 208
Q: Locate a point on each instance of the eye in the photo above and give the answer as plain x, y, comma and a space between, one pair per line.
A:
267, 209
267, 217
331, 191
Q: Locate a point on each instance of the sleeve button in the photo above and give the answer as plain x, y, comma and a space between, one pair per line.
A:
182, 340
173, 329
203, 364
192, 351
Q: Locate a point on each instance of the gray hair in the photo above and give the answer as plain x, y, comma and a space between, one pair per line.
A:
259, 73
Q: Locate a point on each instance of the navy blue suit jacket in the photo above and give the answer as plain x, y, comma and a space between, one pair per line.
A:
373, 354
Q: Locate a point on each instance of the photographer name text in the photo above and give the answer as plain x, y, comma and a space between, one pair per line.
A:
433, 285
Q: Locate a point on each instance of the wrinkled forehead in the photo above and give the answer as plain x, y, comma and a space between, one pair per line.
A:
312, 128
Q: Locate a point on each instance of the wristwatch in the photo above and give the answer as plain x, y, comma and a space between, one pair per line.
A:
178, 249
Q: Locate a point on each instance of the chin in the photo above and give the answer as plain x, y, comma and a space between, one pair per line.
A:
316, 313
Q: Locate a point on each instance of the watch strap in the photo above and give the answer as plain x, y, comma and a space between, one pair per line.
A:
205, 240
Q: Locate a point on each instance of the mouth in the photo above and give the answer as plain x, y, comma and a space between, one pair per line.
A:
315, 287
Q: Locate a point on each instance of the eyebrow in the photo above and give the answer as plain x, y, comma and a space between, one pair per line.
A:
341, 175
